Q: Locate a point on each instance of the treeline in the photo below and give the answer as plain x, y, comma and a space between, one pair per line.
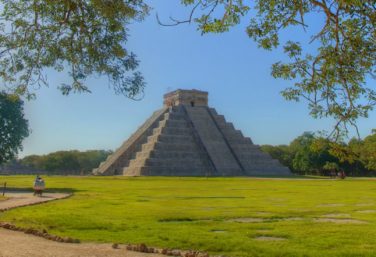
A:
310, 154
66, 162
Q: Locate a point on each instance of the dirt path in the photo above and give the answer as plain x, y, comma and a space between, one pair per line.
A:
18, 199
18, 244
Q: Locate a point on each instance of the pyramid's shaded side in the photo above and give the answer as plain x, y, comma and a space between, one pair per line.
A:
186, 140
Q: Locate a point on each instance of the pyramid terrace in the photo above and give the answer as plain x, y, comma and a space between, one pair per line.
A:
188, 138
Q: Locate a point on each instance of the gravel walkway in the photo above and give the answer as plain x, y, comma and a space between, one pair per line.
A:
18, 199
18, 244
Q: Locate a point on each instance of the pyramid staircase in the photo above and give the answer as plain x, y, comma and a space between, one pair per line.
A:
186, 140
115, 162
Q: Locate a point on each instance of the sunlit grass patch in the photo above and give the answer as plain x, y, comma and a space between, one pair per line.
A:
226, 216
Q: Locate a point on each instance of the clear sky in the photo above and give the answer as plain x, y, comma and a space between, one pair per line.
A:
229, 66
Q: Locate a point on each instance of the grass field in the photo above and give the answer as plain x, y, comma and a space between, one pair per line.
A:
228, 216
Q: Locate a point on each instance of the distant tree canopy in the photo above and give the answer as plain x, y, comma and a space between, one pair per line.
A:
332, 73
308, 154
66, 162
82, 37
13, 126
88, 37
315, 155
85, 37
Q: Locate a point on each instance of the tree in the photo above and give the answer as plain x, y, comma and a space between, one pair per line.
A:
331, 166
66, 162
85, 37
313, 154
62, 161
282, 153
13, 126
88, 37
332, 77
309, 154
304, 158
91, 159
368, 152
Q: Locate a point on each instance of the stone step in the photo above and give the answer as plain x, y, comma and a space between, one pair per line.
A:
234, 136
214, 111
175, 109
143, 154
228, 171
219, 118
148, 146
152, 139
213, 141
177, 154
245, 147
137, 162
197, 170
199, 114
260, 166
175, 116
176, 162
249, 140
242, 142
231, 132
186, 146
186, 162
132, 171
236, 139
170, 154
101, 164
252, 154
226, 126
173, 130
166, 171
174, 123
261, 162
177, 139
132, 144
256, 171
189, 146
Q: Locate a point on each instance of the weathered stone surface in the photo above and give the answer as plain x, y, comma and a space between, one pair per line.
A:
186, 97
187, 138
120, 158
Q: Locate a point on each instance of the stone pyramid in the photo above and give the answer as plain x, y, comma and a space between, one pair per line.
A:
188, 138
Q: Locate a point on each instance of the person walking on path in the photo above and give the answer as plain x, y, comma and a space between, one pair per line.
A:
39, 186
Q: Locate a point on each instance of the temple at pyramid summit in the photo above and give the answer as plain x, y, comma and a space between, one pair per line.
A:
188, 138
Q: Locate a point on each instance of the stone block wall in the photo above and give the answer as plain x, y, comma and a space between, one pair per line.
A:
187, 138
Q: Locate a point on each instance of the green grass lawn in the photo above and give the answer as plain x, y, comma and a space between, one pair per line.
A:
310, 217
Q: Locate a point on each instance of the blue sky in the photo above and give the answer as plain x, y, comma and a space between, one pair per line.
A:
229, 66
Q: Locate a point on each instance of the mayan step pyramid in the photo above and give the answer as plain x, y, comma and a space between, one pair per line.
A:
188, 138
